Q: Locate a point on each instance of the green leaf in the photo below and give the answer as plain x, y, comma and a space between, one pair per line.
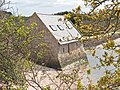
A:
93, 53
89, 71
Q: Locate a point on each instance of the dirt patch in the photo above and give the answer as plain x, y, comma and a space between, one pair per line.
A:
58, 80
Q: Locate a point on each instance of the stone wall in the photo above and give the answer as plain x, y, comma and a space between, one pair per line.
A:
72, 52
50, 59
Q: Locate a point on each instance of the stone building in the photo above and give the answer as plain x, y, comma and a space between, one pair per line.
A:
61, 38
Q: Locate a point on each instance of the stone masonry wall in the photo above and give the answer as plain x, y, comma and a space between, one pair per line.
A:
50, 59
71, 53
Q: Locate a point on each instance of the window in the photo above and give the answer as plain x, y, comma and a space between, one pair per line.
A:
53, 27
63, 50
68, 25
60, 27
68, 48
76, 44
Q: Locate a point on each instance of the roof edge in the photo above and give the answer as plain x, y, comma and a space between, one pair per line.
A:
48, 14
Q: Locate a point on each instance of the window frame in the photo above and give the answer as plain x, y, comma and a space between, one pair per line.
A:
53, 27
63, 49
68, 48
60, 27
76, 44
68, 25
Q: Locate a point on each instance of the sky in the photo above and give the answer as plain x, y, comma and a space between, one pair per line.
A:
28, 7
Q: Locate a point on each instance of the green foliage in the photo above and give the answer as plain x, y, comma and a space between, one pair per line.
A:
9, 59
46, 88
99, 22
16, 50
62, 13
80, 86
110, 44
88, 71
18, 46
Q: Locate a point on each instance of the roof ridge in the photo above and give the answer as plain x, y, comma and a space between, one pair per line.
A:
48, 14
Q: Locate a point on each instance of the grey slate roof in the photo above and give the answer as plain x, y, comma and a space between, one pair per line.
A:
63, 36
